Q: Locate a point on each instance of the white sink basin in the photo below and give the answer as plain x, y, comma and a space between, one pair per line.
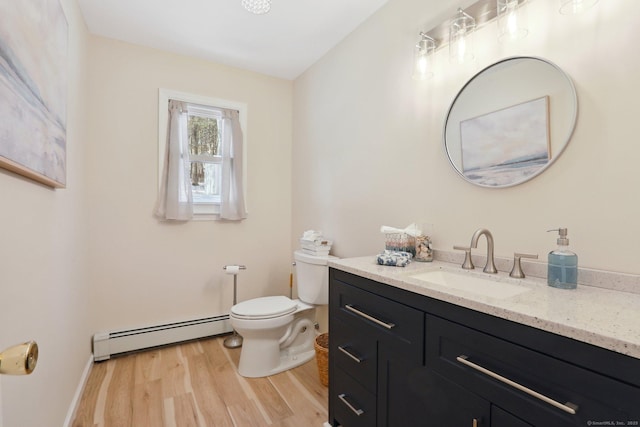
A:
465, 282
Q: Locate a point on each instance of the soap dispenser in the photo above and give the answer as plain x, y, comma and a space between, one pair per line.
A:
563, 264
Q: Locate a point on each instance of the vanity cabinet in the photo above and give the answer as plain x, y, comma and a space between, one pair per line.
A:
398, 358
375, 344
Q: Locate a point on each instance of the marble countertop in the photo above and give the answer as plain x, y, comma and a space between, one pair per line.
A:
603, 317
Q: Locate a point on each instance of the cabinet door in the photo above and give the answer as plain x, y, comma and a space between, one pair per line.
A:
501, 418
411, 395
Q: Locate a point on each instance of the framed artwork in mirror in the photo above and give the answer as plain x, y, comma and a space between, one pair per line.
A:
507, 145
33, 90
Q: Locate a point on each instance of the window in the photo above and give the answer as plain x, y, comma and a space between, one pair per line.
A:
204, 136
204, 155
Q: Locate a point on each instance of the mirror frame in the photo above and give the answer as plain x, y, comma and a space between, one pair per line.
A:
562, 145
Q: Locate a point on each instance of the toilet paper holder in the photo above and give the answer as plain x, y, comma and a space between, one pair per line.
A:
235, 339
232, 269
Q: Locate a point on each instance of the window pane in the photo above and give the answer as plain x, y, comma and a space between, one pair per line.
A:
204, 137
205, 182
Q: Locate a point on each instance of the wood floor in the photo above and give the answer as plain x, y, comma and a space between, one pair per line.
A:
196, 384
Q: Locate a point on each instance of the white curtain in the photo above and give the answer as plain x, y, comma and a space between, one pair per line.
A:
232, 205
175, 201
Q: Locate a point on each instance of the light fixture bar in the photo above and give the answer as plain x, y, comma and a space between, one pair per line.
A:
483, 11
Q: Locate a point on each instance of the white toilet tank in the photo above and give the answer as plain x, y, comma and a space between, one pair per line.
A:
312, 274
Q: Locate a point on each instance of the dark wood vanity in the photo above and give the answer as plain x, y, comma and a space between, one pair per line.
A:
402, 359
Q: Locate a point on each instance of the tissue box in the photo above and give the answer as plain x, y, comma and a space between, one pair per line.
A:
400, 242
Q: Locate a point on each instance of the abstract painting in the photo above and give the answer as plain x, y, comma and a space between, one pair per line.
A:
33, 90
506, 146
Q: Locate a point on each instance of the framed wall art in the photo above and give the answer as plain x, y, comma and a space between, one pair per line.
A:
506, 145
33, 90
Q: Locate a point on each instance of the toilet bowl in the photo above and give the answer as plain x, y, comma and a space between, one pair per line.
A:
278, 332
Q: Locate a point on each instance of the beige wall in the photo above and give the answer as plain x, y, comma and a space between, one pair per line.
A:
144, 271
368, 150
43, 267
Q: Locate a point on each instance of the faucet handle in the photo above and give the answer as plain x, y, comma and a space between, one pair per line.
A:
467, 264
516, 271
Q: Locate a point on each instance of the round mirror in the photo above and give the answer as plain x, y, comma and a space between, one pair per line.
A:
510, 122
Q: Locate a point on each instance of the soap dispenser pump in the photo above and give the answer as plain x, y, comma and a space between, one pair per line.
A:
563, 264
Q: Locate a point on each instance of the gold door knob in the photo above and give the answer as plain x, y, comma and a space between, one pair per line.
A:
20, 359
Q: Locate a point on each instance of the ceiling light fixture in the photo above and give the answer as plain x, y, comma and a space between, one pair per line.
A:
259, 7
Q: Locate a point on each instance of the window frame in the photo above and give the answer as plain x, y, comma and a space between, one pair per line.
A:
201, 211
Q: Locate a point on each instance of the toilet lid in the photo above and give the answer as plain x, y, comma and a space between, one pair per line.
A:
264, 308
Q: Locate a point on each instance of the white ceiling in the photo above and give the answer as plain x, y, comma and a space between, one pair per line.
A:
282, 43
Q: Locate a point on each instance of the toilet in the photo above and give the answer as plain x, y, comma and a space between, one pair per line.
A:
278, 332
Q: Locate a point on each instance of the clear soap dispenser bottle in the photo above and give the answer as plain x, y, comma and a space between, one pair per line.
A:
563, 264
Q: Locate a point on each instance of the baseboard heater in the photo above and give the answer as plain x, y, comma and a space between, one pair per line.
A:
107, 344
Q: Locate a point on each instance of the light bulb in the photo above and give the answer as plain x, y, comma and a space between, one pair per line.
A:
462, 48
422, 57
460, 32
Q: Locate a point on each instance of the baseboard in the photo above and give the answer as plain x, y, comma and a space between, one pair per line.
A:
71, 413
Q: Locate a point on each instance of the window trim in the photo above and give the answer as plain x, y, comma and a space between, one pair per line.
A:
201, 211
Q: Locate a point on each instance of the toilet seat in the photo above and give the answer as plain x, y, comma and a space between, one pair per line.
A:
264, 308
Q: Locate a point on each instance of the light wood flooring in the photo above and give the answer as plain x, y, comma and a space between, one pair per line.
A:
197, 384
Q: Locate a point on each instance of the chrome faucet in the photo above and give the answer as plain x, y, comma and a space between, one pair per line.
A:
490, 266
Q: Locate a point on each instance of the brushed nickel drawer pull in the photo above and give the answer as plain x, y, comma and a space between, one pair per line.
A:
567, 407
368, 317
342, 397
351, 355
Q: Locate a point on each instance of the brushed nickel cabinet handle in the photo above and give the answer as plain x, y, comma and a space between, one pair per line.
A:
351, 355
568, 407
368, 317
343, 397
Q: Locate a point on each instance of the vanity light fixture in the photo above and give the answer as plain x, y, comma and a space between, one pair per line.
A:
458, 31
572, 7
259, 7
423, 57
512, 19
460, 41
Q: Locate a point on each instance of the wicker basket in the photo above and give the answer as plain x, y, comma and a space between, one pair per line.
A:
321, 345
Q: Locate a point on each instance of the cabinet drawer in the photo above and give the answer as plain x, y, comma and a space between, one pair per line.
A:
354, 352
531, 385
353, 406
391, 321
